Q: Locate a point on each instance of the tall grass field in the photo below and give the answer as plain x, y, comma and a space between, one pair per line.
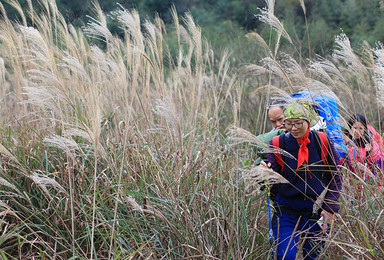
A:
141, 146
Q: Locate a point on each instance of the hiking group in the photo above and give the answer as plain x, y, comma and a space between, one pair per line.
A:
310, 152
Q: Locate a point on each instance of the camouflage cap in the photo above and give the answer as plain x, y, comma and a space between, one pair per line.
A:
300, 111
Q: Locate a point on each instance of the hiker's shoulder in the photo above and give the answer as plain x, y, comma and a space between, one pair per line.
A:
268, 136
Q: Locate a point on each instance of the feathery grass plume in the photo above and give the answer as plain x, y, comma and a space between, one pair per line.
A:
327, 71
302, 4
97, 26
67, 145
275, 92
258, 40
270, 5
344, 52
16, 4
274, 66
237, 135
293, 70
186, 38
36, 45
30, 11
318, 88
2, 72
178, 34
7, 184
196, 38
258, 176
9, 155
268, 17
166, 108
44, 181
75, 66
3, 13
379, 73
130, 20
253, 69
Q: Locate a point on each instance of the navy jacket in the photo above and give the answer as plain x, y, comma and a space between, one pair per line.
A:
307, 183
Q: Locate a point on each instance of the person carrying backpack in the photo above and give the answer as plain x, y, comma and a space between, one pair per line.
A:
309, 163
365, 147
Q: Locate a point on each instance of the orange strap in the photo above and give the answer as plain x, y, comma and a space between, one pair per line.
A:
279, 158
324, 147
276, 152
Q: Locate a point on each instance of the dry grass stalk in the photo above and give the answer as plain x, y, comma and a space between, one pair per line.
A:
268, 17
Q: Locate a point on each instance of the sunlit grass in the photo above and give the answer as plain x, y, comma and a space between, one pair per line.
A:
121, 148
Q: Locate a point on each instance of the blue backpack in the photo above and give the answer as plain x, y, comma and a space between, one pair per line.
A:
327, 108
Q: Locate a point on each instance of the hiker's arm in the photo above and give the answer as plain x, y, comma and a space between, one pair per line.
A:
265, 138
335, 181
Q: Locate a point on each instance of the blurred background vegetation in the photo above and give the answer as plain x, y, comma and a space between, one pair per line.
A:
224, 22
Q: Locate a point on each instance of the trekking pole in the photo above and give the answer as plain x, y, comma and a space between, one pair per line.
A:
270, 218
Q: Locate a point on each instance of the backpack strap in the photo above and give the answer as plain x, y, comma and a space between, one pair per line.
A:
278, 142
322, 138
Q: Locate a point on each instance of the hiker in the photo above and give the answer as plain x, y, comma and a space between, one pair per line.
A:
365, 148
313, 188
275, 113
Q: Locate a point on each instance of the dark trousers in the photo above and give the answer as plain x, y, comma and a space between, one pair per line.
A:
287, 229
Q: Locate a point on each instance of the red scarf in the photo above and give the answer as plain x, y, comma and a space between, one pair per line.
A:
303, 151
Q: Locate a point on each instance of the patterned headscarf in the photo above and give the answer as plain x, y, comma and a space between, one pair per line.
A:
300, 111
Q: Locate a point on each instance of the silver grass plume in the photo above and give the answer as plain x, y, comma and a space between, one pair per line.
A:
131, 22
254, 70
237, 135
379, 73
270, 5
258, 40
274, 66
77, 132
6, 183
186, 38
258, 176
274, 91
326, 71
319, 201
5, 152
317, 88
345, 53
293, 69
2, 72
37, 45
303, 7
73, 64
67, 145
196, 38
268, 17
167, 109
39, 96
44, 181
16, 4
97, 27
148, 210
97, 30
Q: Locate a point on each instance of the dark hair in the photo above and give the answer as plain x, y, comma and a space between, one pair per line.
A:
366, 138
276, 103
